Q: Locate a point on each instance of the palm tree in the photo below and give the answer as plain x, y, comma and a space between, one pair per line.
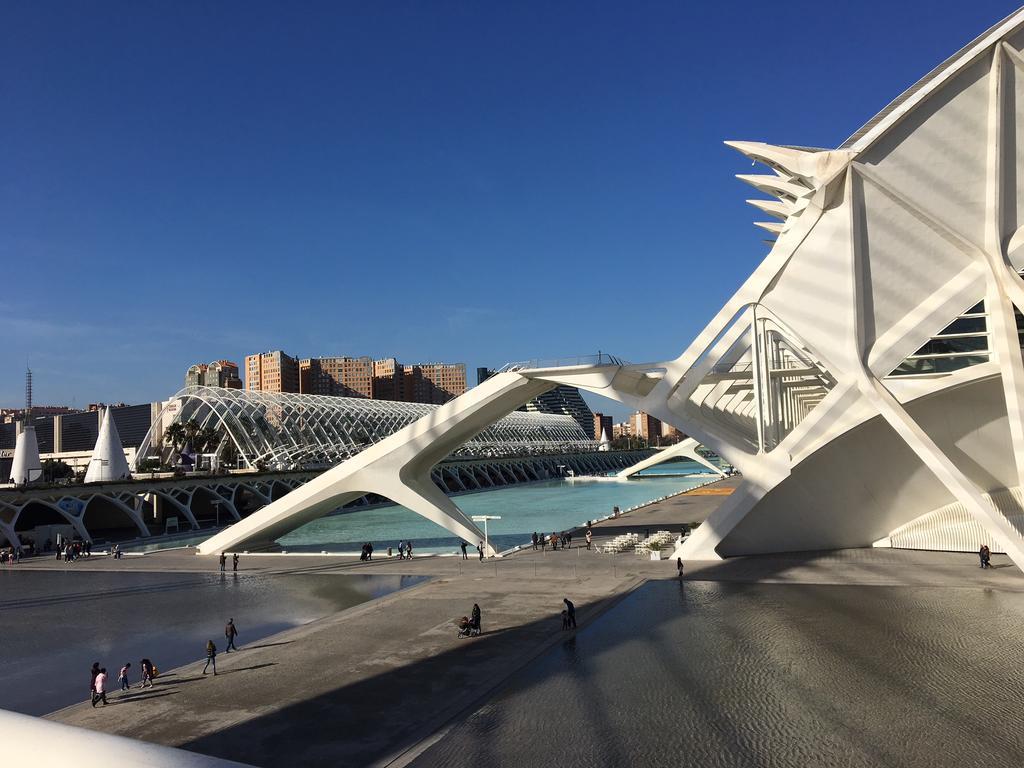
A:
228, 454
208, 438
192, 430
174, 434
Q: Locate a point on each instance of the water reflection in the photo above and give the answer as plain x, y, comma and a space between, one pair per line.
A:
53, 625
710, 674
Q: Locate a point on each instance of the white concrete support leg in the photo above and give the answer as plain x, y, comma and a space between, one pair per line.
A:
428, 500
945, 470
1001, 320
7, 531
763, 475
398, 467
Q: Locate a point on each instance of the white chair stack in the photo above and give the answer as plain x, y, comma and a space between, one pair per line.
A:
620, 543
661, 538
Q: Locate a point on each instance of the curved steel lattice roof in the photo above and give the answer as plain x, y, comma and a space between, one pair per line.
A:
291, 431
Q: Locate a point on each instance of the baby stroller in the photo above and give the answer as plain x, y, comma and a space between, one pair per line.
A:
467, 628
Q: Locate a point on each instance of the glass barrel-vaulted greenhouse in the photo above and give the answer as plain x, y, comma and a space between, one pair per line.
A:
273, 430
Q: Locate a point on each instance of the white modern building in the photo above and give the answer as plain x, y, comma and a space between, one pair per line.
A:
866, 379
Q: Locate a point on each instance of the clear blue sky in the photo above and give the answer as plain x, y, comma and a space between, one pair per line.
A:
467, 182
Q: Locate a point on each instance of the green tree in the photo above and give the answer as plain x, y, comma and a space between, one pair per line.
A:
174, 435
208, 438
55, 469
192, 430
149, 464
228, 454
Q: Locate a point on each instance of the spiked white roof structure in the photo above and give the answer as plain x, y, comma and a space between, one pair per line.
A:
867, 379
108, 461
26, 467
605, 444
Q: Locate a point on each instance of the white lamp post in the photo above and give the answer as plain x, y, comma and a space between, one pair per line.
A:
483, 519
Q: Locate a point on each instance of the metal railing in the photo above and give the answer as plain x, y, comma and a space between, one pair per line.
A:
601, 358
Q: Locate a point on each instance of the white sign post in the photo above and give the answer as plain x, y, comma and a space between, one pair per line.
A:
483, 519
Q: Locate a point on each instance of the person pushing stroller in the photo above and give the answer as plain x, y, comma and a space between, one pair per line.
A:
469, 626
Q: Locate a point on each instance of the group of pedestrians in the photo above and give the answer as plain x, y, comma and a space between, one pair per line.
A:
404, 550
230, 633
224, 562
98, 679
11, 556
557, 540
73, 550
367, 553
561, 540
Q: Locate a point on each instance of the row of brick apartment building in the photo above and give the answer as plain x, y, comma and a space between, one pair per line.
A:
641, 425
385, 379
388, 379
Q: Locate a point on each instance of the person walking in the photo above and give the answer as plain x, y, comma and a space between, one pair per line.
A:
535, 540
981, 556
223, 561
401, 550
463, 546
99, 687
679, 568
147, 673
122, 676
474, 618
234, 563
230, 632
570, 612
408, 550
92, 678
590, 537
480, 550
986, 558
211, 657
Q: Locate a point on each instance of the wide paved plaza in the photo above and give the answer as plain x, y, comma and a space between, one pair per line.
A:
388, 681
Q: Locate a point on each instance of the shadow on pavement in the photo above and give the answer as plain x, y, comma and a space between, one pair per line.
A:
383, 715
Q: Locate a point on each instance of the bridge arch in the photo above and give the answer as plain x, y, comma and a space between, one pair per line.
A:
176, 505
39, 512
105, 517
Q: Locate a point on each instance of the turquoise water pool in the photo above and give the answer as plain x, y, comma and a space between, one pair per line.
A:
552, 505
544, 507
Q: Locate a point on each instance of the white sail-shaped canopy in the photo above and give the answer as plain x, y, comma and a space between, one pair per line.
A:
26, 466
108, 461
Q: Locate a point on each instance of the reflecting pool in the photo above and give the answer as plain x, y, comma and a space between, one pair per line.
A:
54, 625
706, 674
